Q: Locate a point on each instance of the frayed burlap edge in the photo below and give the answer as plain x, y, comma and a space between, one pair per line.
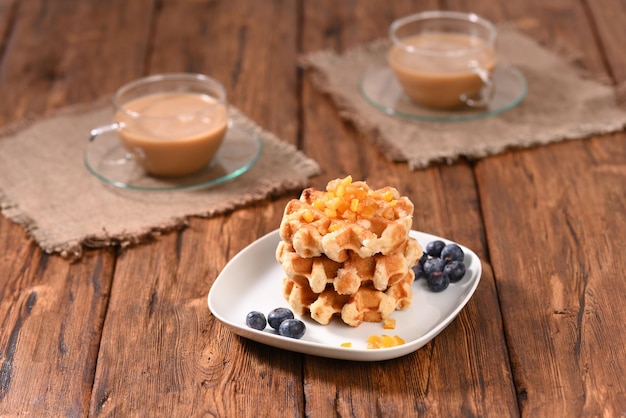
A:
11, 210
523, 142
73, 250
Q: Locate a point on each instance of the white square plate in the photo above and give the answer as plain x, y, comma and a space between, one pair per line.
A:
252, 281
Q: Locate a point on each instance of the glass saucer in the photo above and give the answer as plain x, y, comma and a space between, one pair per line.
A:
107, 160
380, 88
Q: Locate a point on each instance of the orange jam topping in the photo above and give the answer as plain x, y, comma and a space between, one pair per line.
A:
384, 341
389, 323
353, 201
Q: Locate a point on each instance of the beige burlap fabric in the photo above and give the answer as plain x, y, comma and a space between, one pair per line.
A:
45, 187
559, 105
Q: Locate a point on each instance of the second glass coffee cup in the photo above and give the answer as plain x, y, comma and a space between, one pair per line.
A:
444, 59
171, 124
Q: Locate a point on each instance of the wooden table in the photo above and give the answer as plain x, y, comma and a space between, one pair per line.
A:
128, 333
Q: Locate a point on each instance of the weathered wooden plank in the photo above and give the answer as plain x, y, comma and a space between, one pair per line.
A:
70, 52
556, 298
553, 272
51, 313
7, 10
52, 310
554, 24
162, 352
475, 377
608, 18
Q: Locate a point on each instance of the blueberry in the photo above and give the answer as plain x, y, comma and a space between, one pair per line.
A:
437, 281
434, 248
418, 269
452, 252
278, 315
455, 270
433, 264
256, 320
292, 328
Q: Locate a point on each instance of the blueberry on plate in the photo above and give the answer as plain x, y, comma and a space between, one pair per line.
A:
277, 316
418, 269
292, 328
256, 320
434, 248
433, 264
455, 270
437, 281
452, 252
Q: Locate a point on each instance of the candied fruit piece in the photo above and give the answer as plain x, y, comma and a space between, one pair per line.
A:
354, 204
308, 216
388, 341
374, 341
387, 196
369, 210
384, 341
318, 204
389, 323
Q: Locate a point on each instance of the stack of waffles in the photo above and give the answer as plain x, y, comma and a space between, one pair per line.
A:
347, 253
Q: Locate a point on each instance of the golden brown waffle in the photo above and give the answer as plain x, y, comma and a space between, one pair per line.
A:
366, 305
381, 271
347, 217
347, 252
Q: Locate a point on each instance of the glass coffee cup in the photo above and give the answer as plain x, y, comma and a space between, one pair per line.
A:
444, 59
171, 124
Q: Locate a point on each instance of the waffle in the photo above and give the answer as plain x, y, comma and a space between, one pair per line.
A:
347, 217
366, 305
381, 271
347, 252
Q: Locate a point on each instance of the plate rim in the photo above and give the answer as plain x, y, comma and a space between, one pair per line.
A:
337, 352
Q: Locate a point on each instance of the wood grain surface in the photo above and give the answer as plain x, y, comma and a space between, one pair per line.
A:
128, 332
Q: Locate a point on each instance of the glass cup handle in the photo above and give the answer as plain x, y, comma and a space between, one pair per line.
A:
486, 92
95, 132
116, 126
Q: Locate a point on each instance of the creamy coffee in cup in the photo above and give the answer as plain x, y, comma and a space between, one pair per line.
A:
444, 60
171, 124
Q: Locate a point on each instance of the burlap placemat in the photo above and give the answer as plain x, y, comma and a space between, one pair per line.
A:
560, 105
45, 187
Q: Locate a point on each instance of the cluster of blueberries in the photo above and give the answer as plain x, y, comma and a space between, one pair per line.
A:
281, 319
441, 264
